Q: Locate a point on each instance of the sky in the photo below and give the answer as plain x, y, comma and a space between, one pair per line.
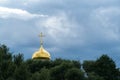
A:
73, 29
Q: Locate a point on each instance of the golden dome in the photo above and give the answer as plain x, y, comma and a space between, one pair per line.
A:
41, 54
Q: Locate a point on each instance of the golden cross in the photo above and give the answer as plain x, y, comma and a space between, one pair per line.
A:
41, 40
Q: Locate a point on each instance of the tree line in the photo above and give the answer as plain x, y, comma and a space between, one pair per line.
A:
14, 67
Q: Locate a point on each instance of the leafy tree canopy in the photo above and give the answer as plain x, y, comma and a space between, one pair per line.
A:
14, 67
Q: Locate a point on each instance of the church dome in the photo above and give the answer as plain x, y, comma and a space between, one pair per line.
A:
41, 54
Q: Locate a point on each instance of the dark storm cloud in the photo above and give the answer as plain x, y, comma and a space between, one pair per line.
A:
82, 29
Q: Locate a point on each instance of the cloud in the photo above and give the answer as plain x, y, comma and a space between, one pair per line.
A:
4, 1
104, 22
85, 27
6, 13
62, 30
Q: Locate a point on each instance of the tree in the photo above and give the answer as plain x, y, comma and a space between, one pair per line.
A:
103, 67
35, 76
16, 68
94, 76
37, 65
59, 61
89, 66
44, 74
6, 64
58, 72
5, 55
74, 74
77, 64
21, 73
106, 68
18, 59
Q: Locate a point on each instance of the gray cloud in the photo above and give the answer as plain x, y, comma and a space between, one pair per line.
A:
79, 30
6, 13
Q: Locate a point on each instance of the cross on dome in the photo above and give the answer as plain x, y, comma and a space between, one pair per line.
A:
41, 38
41, 54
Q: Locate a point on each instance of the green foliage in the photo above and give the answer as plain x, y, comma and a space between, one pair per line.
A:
60, 61
106, 68
14, 67
5, 62
103, 67
74, 74
94, 76
5, 54
89, 66
21, 73
58, 72
44, 74
37, 65
35, 76
18, 59
77, 64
